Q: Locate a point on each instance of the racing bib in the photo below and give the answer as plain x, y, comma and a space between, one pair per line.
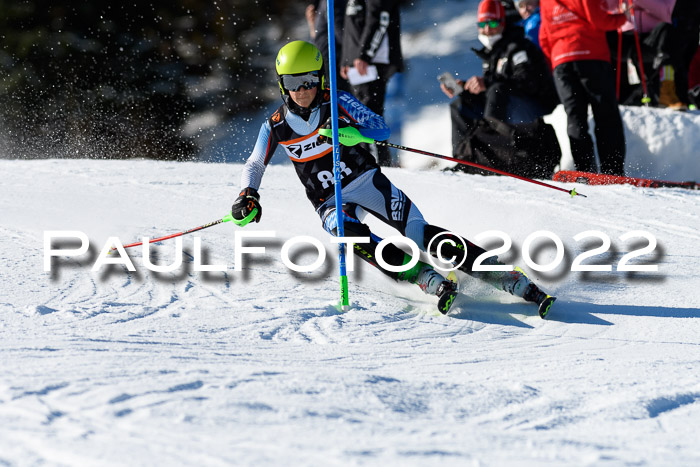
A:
306, 148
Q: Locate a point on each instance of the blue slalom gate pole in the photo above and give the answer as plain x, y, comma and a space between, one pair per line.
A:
330, 16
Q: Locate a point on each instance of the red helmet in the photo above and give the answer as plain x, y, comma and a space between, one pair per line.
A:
491, 10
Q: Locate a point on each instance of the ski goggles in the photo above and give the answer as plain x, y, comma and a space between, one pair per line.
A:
493, 23
296, 82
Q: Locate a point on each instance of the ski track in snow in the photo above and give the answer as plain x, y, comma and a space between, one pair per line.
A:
257, 367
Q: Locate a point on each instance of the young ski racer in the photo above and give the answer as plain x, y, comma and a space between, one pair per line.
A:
365, 189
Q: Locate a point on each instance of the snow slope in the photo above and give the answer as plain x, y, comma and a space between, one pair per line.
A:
255, 367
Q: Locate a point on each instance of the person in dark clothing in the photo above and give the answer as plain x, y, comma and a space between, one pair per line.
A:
668, 37
371, 38
572, 36
672, 45
686, 19
512, 15
317, 16
516, 85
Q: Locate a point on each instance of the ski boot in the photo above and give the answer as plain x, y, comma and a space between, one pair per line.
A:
520, 285
431, 282
447, 292
535, 295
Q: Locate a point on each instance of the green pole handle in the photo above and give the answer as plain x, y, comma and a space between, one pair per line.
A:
243, 222
347, 136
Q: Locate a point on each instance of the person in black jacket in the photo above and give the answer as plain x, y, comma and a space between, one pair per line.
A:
317, 18
371, 38
516, 85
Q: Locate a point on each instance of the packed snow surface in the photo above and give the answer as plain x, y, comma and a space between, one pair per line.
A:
253, 365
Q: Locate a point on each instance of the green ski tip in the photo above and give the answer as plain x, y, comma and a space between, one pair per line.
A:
544, 307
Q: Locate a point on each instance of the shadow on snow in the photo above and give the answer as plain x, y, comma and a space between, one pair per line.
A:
563, 312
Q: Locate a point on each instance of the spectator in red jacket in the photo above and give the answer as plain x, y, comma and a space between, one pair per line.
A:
572, 36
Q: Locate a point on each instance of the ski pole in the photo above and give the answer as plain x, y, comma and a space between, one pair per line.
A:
226, 218
350, 136
645, 96
623, 5
344, 304
619, 63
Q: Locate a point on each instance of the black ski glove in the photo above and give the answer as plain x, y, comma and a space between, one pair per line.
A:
245, 203
342, 123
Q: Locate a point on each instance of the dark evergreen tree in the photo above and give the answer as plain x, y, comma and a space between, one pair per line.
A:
119, 79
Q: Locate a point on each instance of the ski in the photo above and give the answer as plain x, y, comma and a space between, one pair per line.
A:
447, 297
574, 176
543, 300
543, 308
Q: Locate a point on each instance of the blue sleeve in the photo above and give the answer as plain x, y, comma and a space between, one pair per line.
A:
371, 125
532, 28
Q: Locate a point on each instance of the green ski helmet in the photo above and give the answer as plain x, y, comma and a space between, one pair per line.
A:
298, 57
